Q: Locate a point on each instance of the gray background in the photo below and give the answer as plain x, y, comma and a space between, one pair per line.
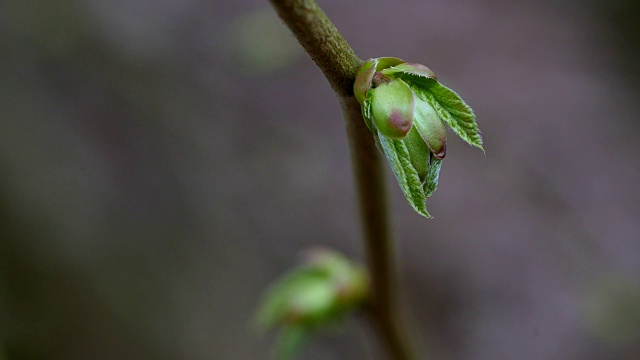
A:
162, 161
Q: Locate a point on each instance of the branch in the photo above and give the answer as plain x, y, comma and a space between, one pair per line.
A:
339, 63
322, 41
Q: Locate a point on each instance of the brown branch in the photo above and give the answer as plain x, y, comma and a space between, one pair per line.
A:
322, 41
333, 55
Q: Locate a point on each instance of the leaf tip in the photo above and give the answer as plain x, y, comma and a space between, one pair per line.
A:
425, 214
422, 210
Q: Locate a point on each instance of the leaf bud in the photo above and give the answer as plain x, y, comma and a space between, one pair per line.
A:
365, 75
430, 128
392, 109
313, 302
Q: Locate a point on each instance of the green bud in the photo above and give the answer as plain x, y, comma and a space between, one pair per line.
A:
313, 302
430, 128
392, 109
352, 290
350, 280
366, 72
326, 287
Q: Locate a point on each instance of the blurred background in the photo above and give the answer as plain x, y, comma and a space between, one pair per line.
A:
161, 162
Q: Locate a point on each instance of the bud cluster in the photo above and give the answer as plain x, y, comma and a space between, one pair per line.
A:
322, 290
406, 108
391, 106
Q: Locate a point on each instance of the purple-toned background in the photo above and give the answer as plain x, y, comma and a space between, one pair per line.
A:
161, 162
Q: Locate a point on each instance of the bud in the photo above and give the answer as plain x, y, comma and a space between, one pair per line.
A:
430, 128
313, 302
326, 287
350, 280
366, 72
392, 109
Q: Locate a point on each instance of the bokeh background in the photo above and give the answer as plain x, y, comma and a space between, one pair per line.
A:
161, 162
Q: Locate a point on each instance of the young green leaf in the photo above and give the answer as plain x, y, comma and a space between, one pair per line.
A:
410, 68
418, 152
449, 106
275, 305
408, 179
453, 110
433, 173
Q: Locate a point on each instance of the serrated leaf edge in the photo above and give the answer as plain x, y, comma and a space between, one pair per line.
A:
433, 175
462, 122
412, 188
466, 130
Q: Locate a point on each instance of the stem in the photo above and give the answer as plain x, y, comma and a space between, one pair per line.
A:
370, 182
339, 63
322, 41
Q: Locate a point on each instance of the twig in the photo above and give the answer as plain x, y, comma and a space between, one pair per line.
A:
339, 63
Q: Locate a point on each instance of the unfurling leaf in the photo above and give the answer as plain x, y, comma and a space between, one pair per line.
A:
410, 68
449, 106
431, 180
407, 176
